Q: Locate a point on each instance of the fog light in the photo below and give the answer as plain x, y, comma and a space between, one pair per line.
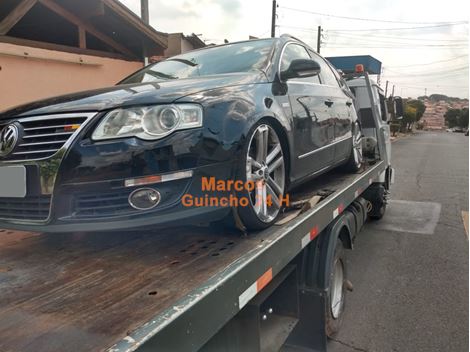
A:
144, 198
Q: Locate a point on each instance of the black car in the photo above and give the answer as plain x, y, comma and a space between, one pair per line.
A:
167, 144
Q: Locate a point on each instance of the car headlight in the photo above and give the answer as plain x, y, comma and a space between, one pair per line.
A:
152, 122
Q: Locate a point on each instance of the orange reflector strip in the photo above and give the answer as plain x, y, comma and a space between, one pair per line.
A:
338, 211
143, 181
147, 180
358, 192
264, 280
313, 233
310, 236
254, 288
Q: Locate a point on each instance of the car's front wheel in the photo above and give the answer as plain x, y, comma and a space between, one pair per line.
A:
263, 164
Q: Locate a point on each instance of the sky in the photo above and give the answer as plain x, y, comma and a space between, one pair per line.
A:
423, 45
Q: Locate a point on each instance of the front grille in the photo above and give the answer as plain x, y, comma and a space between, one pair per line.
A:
43, 137
102, 205
29, 208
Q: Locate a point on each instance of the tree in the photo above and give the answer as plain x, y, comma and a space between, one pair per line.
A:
457, 118
419, 106
409, 117
464, 118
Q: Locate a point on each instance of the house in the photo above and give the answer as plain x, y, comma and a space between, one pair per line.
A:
179, 43
53, 47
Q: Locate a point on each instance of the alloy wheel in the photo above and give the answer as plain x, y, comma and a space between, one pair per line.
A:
357, 145
265, 167
337, 293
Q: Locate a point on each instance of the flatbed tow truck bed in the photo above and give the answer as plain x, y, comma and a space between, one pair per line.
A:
168, 290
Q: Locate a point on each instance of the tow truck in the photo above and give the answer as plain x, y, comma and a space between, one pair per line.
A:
200, 288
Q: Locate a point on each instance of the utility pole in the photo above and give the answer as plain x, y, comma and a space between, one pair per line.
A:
319, 39
273, 20
144, 13
425, 92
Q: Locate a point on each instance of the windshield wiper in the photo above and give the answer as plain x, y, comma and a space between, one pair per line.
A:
183, 61
158, 75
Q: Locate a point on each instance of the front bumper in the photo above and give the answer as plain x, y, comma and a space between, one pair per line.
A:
82, 186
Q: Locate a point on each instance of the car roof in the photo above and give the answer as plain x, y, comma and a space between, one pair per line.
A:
282, 38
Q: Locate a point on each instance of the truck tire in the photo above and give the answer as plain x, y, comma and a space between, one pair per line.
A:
378, 203
336, 293
378, 210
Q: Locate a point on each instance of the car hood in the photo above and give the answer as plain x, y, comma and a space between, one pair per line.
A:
132, 95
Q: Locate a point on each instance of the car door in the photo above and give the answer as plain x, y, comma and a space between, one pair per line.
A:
347, 117
342, 111
310, 117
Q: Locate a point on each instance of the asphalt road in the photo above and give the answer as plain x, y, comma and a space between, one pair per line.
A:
410, 270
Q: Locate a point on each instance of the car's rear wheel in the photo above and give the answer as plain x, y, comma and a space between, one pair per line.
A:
356, 158
263, 164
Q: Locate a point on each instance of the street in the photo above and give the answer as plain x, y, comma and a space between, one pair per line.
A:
410, 270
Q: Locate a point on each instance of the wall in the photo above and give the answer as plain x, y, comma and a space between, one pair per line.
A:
174, 44
186, 46
28, 74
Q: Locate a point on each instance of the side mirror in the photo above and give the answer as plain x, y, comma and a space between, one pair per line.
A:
301, 68
398, 105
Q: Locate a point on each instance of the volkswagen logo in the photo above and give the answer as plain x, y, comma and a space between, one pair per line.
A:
9, 136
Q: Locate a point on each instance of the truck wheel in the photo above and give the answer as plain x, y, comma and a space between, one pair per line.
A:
378, 203
336, 292
378, 210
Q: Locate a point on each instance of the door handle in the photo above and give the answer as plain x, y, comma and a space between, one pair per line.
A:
328, 103
348, 103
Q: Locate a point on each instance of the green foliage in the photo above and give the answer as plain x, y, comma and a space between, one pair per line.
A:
419, 106
410, 116
457, 118
439, 97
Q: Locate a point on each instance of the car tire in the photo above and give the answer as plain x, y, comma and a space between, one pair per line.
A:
356, 157
336, 293
263, 162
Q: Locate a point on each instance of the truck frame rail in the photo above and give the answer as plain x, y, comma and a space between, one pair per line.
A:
165, 290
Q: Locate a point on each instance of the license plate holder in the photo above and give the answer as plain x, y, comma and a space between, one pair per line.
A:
12, 181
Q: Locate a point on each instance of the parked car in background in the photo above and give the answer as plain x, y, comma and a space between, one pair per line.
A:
270, 111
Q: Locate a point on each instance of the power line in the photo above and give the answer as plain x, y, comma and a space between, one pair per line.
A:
297, 28
367, 41
348, 46
396, 29
335, 31
364, 19
427, 73
431, 63
433, 86
373, 36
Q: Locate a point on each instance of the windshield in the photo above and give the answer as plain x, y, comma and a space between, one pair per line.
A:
238, 57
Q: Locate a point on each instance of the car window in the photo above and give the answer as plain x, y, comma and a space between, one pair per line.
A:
326, 73
294, 52
340, 79
237, 57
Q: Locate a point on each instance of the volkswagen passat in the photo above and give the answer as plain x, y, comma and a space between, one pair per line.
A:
271, 113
